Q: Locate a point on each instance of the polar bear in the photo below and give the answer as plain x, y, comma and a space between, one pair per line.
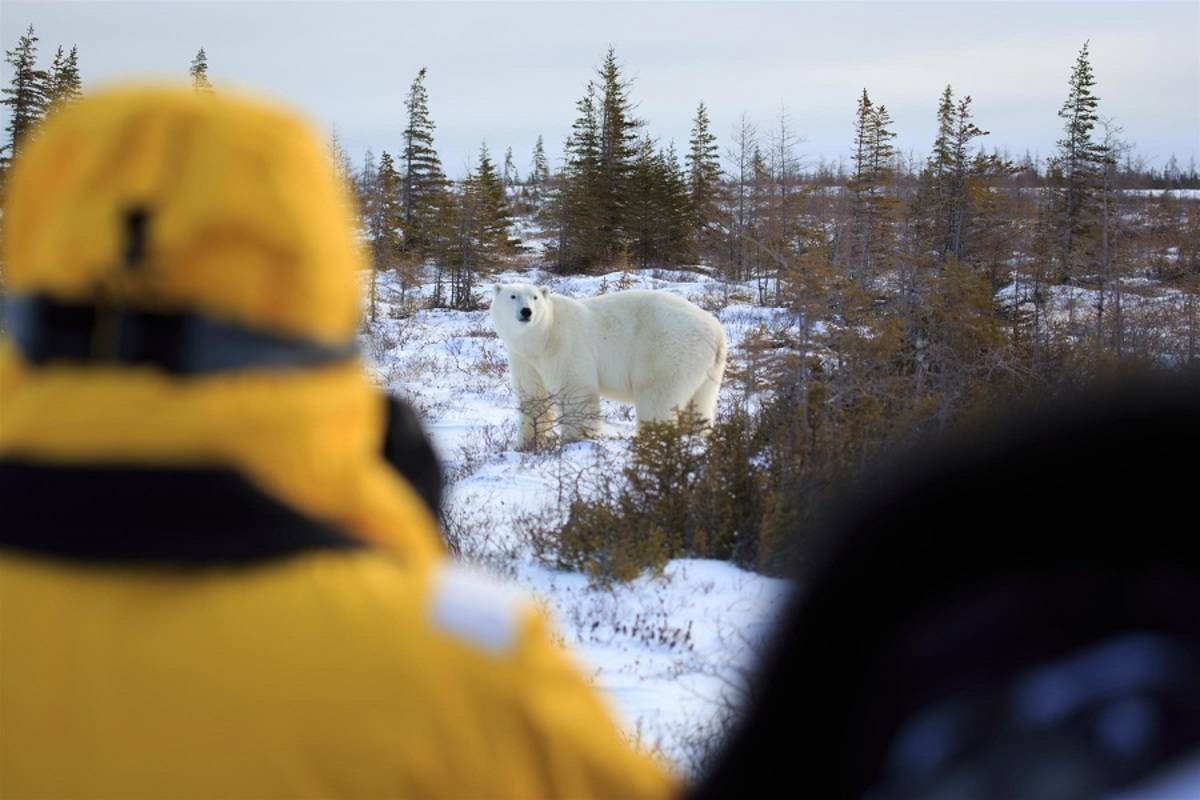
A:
649, 348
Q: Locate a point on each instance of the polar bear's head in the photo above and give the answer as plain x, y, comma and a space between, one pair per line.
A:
518, 308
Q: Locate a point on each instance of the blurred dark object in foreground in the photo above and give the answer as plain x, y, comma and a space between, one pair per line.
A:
1014, 615
406, 447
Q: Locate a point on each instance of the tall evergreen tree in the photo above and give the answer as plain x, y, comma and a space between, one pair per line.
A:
459, 253
59, 83
861, 186
678, 237
944, 201
617, 143
537, 182
871, 232
493, 205
1076, 174
931, 208
704, 172
365, 186
580, 205
477, 230
341, 163
539, 172
424, 182
383, 223
644, 212
26, 93
659, 209
510, 176
199, 72
594, 201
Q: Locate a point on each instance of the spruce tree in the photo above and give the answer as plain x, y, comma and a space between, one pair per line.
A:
53, 77
943, 204
477, 230
601, 153
341, 163
678, 215
199, 72
26, 94
644, 207
969, 177
458, 252
1076, 173
883, 153
383, 223
580, 205
861, 186
617, 142
493, 213
423, 182
871, 230
365, 186
67, 84
704, 172
882, 150
539, 173
510, 176
931, 208
659, 210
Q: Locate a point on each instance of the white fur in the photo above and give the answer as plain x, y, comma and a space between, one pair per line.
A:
652, 349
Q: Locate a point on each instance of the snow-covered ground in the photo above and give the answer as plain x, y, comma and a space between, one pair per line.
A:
1159, 321
671, 652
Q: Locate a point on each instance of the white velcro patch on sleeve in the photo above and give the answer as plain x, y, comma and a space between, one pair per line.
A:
470, 605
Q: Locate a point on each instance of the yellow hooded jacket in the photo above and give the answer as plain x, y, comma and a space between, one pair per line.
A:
211, 582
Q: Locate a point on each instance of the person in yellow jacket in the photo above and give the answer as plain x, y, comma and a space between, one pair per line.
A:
212, 584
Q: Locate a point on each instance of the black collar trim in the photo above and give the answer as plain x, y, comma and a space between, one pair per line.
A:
136, 514
46, 331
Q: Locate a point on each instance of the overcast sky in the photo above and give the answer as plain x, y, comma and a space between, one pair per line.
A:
505, 72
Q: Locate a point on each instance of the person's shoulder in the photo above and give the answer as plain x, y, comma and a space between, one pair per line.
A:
447, 604
468, 605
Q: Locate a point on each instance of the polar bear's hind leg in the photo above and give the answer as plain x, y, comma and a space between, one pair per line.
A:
662, 405
704, 401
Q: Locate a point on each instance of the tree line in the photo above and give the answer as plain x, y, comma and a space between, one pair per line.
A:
919, 294
34, 92
621, 198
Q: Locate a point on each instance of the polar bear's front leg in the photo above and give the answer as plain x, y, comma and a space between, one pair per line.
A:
578, 408
534, 404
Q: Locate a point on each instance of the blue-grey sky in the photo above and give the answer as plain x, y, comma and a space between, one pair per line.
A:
507, 72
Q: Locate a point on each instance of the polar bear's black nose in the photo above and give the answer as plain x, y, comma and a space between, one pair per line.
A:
526, 313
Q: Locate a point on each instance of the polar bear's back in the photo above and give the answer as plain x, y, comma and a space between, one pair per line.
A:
645, 337
643, 311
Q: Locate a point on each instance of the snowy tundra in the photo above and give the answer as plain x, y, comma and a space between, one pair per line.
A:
653, 349
671, 653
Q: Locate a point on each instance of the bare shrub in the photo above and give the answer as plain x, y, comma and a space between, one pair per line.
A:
486, 441
380, 341
548, 421
470, 532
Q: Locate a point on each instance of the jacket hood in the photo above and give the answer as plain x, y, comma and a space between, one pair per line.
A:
170, 201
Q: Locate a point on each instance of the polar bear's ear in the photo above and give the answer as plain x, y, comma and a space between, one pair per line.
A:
545, 293
496, 288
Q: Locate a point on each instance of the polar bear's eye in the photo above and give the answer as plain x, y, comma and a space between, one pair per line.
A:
512, 296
